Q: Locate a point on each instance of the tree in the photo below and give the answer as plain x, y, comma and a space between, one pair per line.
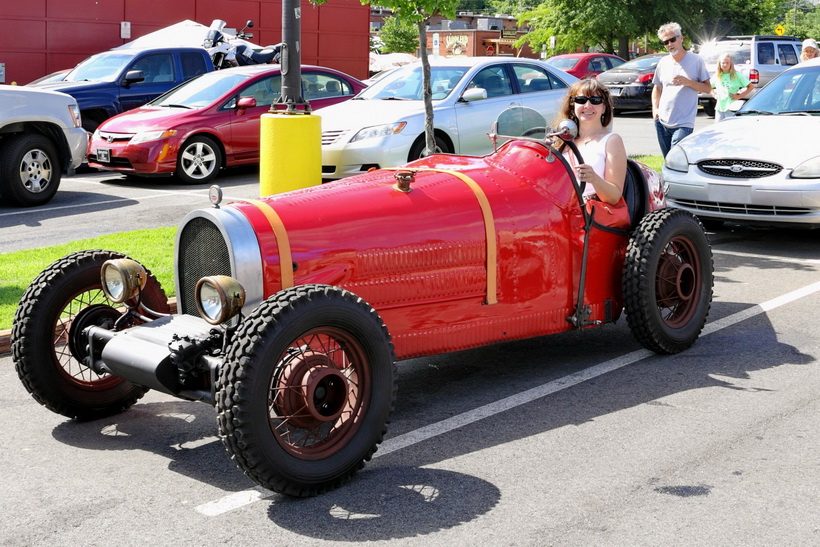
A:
418, 12
399, 36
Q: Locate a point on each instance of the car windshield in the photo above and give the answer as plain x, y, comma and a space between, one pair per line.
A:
200, 91
741, 53
796, 91
563, 63
405, 83
99, 68
640, 63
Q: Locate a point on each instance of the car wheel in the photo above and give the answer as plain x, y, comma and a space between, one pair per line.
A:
417, 150
667, 281
709, 108
199, 161
30, 169
47, 343
307, 389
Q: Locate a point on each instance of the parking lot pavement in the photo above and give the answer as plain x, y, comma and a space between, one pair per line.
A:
638, 131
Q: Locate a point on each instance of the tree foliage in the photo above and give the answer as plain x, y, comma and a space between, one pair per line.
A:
399, 36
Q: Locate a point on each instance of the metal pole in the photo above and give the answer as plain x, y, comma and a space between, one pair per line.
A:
292, 58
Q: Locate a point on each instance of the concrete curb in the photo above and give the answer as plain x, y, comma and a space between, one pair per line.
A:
5, 342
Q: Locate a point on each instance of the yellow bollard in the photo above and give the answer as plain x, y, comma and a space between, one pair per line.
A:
290, 152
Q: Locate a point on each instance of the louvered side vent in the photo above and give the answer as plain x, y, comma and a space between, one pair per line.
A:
202, 252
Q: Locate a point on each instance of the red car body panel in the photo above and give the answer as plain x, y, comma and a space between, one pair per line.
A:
427, 275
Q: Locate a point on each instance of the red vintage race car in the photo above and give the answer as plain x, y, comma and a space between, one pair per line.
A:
294, 309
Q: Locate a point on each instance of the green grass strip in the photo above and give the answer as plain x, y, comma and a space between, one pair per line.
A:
153, 248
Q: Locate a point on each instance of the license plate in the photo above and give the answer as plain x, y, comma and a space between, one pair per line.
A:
614, 91
104, 155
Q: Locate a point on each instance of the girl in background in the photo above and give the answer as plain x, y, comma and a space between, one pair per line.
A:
728, 85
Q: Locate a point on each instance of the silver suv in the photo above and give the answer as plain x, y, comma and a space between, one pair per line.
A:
41, 136
760, 58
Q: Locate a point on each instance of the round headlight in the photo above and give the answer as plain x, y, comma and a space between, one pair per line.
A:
218, 298
122, 279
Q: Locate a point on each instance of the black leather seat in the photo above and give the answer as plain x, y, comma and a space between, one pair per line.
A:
636, 194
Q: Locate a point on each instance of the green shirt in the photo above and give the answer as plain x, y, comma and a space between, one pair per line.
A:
726, 86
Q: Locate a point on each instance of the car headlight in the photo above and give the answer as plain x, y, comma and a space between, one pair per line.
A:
122, 279
148, 136
74, 112
676, 160
218, 298
379, 131
809, 169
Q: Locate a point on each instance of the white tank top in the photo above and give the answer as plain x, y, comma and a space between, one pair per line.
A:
594, 154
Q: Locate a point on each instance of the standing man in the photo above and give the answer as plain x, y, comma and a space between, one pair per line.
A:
679, 77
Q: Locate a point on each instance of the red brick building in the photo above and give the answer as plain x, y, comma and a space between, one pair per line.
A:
43, 36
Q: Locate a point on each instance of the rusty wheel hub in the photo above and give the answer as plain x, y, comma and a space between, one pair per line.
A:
311, 391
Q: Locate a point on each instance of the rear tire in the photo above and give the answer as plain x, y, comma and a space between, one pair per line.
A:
30, 169
667, 281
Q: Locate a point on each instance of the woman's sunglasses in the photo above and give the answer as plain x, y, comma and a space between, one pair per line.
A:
580, 99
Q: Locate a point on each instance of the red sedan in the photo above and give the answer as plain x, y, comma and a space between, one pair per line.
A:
585, 65
207, 123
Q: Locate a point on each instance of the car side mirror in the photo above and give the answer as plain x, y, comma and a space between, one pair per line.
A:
245, 102
474, 94
134, 77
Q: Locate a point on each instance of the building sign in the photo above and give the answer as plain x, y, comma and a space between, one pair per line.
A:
509, 34
456, 44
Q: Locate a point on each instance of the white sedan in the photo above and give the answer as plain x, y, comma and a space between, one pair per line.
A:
383, 126
761, 166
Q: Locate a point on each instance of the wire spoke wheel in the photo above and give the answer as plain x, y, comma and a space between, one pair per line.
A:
308, 385
667, 280
48, 345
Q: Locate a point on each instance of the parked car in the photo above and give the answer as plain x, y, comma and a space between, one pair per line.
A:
760, 58
761, 166
630, 84
294, 308
57, 76
584, 65
41, 137
208, 123
121, 79
384, 125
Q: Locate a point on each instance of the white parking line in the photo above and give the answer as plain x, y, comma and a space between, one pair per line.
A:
240, 499
768, 257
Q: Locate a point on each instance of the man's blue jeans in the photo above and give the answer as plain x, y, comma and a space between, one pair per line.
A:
670, 136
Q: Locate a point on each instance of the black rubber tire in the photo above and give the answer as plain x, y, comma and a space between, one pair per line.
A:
417, 150
282, 450
42, 329
668, 279
30, 169
709, 108
198, 161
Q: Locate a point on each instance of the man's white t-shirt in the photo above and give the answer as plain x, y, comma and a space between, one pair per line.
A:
679, 103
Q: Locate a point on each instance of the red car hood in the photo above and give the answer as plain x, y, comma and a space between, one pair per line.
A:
145, 118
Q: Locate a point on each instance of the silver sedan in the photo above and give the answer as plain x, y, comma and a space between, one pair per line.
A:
761, 166
383, 126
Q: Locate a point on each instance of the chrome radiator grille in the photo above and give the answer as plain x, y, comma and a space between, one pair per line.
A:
202, 252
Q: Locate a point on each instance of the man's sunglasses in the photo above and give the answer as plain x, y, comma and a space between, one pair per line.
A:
669, 41
580, 99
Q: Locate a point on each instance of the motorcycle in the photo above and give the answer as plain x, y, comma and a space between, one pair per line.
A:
226, 53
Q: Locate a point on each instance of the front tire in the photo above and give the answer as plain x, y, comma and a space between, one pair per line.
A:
45, 338
30, 169
417, 150
308, 385
199, 161
667, 281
